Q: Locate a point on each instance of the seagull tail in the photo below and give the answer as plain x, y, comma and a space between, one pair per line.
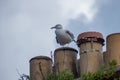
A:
74, 41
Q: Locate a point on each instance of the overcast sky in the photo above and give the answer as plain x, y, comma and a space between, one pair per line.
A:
25, 27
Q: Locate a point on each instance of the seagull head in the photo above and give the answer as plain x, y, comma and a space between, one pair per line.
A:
58, 26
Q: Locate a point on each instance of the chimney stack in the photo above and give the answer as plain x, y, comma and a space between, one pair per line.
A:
91, 57
40, 67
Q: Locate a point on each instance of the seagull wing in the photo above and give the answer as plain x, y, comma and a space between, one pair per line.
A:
57, 40
69, 33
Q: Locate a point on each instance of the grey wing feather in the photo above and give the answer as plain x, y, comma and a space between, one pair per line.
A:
71, 34
57, 40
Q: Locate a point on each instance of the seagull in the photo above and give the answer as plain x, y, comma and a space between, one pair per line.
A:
63, 37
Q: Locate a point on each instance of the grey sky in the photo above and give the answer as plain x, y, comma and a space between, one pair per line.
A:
25, 27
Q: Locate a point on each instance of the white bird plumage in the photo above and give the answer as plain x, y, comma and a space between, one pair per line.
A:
63, 36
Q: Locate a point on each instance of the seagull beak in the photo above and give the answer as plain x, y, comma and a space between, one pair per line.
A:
52, 27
